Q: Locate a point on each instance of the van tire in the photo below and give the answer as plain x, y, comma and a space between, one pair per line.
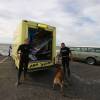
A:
90, 61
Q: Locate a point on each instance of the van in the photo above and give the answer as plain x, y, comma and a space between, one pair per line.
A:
42, 37
90, 55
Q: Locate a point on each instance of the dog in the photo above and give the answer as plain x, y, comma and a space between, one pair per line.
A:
59, 77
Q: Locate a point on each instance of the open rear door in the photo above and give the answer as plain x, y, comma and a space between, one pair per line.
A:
41, 43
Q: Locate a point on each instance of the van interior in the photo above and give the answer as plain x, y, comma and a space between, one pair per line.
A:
41, 44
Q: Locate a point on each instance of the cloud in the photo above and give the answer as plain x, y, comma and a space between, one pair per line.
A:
84, 29
77, 22
12, 12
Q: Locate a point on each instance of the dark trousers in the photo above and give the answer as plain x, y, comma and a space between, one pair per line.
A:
9, 53
23, 65
65, 63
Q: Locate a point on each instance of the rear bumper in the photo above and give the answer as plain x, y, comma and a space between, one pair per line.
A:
40, 68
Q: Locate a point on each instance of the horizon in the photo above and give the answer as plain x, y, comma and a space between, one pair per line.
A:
4, 43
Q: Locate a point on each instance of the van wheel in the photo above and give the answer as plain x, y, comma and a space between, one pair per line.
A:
90, 61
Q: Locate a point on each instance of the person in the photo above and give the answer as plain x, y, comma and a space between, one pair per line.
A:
65, 53
10, 48
23, 52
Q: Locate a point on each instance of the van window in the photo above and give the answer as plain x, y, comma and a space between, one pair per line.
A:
75, 49
78, 49
97, 50
84, 49
91, 50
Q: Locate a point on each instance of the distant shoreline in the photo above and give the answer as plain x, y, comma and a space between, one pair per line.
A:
4, 44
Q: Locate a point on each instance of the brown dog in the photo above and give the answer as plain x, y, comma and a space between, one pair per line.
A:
58, 77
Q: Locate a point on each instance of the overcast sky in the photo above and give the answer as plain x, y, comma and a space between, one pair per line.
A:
77, 22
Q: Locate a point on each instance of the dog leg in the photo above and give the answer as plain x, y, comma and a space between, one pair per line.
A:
61, 87
53, 86
62, 91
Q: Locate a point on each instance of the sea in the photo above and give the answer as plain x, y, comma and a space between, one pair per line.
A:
4, 49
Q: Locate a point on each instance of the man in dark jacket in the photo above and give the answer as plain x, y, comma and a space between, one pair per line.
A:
65, 55
23, 51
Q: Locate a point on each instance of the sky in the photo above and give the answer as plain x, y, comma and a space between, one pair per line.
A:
77, 22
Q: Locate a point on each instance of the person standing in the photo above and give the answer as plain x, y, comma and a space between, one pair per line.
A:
23, 52
9, 52
65, 53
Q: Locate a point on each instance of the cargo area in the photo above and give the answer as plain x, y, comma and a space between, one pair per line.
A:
41, 44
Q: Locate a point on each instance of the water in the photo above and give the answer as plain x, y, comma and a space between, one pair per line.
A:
4, 49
